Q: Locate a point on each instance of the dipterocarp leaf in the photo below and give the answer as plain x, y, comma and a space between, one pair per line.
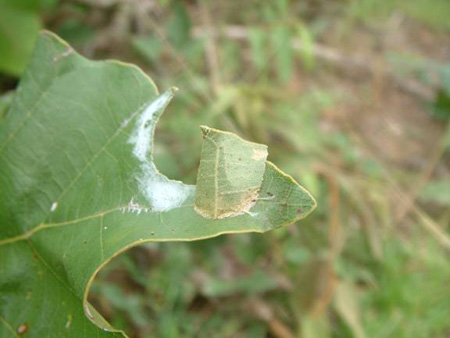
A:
78, 186
230, 174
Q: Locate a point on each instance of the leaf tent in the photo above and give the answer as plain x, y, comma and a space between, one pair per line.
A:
78, 187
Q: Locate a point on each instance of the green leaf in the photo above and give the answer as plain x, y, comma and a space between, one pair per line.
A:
230, 174
29, 5
18, 31
281, 44
437, 192
149, 48
315, 327
75, 31
347, 306
78, 187
307, 41
258, 282
257, 39
179, 26
19, 28
440, 108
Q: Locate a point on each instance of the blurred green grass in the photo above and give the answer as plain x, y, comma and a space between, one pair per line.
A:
372, 261
434, 13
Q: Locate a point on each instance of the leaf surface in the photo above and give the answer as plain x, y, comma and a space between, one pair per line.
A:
78, 186
230, 174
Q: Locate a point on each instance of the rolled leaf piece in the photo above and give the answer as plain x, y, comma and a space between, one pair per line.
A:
230, 174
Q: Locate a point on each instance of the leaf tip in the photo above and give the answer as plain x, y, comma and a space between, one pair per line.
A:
205, 130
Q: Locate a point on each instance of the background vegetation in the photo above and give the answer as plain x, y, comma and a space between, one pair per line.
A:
353, 99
